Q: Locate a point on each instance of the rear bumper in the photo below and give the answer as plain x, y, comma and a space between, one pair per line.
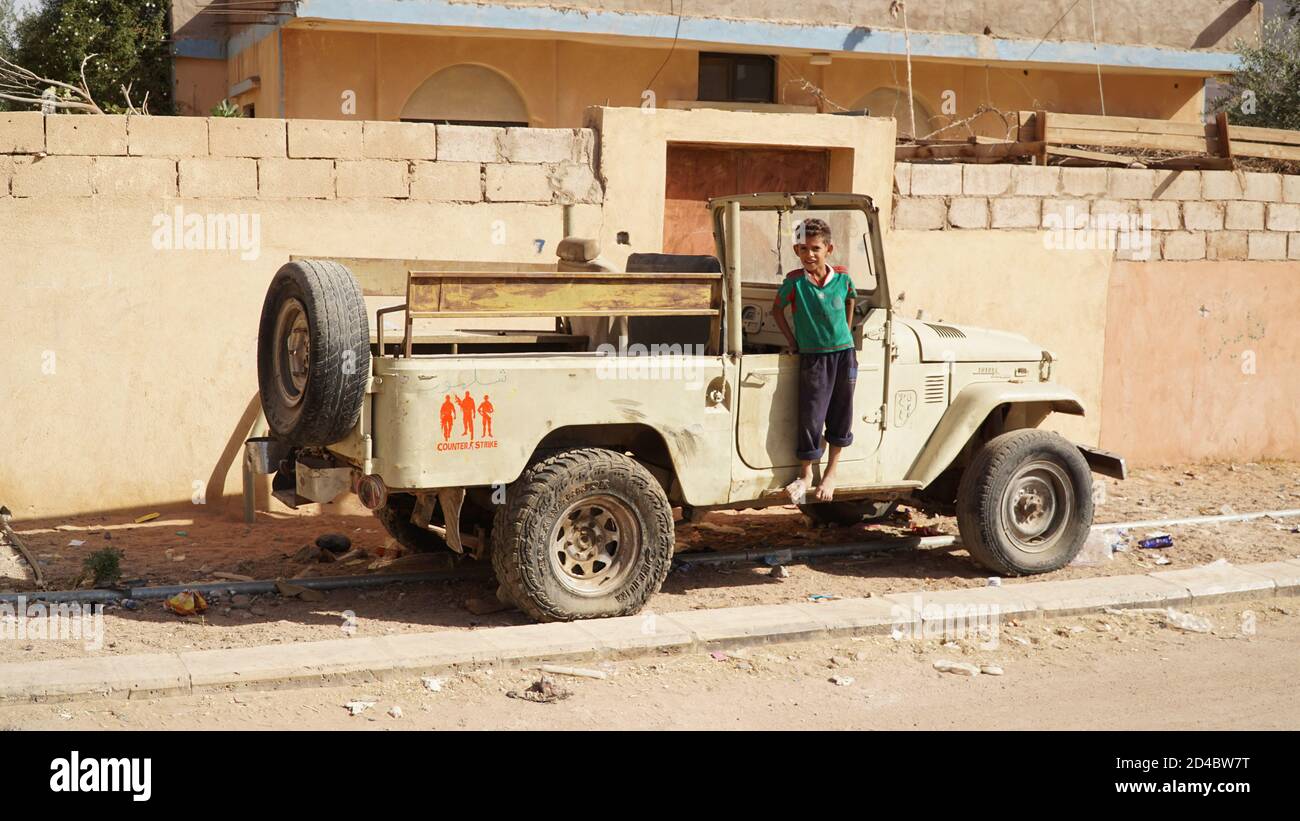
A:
1104, 462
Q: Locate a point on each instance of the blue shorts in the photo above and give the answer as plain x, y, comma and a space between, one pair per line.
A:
826, 382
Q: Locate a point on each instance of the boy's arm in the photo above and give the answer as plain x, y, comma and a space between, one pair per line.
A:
848, 310
778, 313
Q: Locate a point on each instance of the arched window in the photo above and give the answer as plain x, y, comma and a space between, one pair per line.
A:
466, 95
892, 102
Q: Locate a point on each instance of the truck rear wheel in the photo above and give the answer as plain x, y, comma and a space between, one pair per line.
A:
313, 353
1024, 504
583, 534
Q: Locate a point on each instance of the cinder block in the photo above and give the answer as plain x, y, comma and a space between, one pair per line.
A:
1244, 216
1283, 217
1293, 247
1221, 185
240, 137
1184, 245
575, 182
859, 616
135, 176
308, 179
1060, 214
53, 177
1035, 180
447, 182
7, 166
1177, 185
167, 136
217, 177
1131, 184
329, 139
399, 141
98, 135
903, 179
1290, 186
1227, 245
936, 180
771, 622
914, 214
1164, 215
112, 676
1262, 187
540, 145
985, 180
1116, 212
1267, 245
295, 661
632, 635
969, 212
1070, 596
1016, 212
1218, 582
23, 132
1203, 216
465, 143
518, 183
1083, 182
372, 178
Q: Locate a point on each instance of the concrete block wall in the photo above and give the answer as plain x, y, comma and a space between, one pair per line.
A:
86, 156
1194, 215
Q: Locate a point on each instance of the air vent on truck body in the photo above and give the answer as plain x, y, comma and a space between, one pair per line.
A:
946, 331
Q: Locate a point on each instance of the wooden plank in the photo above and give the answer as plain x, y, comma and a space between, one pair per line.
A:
1242, 148
1040, 134
1132, 125
967, 150
1160, 142
1264, 135
1221, 133
563, 294
387, 277
1096, 156
1203, 163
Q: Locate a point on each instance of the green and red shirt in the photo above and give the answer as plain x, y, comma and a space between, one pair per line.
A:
820, 321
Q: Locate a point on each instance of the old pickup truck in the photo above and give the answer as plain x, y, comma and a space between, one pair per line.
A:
564, 463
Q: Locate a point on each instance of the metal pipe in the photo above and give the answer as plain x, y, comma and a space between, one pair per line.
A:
1201, 520
253, 587
793, 553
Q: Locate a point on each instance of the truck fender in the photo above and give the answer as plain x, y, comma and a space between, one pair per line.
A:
968, 411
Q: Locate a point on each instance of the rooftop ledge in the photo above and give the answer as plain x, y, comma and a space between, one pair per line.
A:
836, 39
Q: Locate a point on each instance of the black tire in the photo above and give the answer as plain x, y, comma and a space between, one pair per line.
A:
313, 398
844, 514
395, 516
590, 489
1019, 483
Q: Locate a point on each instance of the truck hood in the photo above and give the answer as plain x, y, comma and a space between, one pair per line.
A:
943, 341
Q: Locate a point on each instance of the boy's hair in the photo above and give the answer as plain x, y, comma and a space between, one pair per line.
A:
807, 229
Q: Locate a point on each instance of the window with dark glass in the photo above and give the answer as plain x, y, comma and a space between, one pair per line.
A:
737, 78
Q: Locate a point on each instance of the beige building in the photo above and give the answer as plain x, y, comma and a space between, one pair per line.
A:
527, 62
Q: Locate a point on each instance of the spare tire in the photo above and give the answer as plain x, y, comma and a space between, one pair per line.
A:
313, 353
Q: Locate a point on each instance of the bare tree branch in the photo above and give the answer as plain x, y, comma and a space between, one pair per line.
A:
22, 85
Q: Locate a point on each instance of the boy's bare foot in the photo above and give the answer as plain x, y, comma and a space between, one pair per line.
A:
826, 490
797, 491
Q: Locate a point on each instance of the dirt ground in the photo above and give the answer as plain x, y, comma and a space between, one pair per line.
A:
1127, 671
175, 550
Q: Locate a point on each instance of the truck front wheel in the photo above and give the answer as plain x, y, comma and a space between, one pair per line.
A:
583, 534
1024, 504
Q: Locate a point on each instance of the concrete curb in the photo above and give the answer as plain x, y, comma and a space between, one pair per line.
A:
366, 659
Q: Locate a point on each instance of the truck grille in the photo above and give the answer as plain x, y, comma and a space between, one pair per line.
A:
946, 331
935, 387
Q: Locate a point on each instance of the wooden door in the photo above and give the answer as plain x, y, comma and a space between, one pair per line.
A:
697, 173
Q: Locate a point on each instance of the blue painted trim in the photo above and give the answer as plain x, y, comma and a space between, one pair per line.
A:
199, 48
757, 33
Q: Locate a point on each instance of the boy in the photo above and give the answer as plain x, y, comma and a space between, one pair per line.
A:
821, 299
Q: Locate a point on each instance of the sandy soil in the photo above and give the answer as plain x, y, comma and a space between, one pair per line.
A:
1085, 672
172, 550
